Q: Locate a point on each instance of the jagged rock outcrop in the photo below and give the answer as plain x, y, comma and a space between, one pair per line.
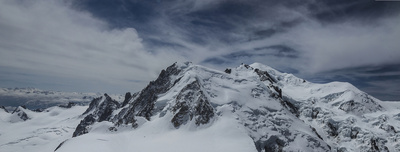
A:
191, 103
228, 71
100, 109
143, 103
264, 76
128, 96
20, 112
3, 108
84, 125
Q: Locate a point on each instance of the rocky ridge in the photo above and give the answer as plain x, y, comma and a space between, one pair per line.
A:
278, 110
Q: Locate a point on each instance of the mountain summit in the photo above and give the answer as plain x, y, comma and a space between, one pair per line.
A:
264, 109
247, 108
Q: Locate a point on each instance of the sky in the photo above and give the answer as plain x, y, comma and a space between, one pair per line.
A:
116, 46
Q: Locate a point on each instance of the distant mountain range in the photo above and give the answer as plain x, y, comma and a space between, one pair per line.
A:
34, 98
194, 108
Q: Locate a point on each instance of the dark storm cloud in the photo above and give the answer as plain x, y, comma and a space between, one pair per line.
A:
380, 80
360, 10
274, 51
228, 21
221, 16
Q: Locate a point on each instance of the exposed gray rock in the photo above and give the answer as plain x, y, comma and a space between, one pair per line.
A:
192, 103
100, 109
20, 112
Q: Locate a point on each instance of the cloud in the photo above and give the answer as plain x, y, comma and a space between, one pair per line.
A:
386, 90
348, 44
347, 41
381, 81
50, 39
124, 44
321, 32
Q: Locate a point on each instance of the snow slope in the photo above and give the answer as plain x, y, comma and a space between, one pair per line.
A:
157, 136
42, 132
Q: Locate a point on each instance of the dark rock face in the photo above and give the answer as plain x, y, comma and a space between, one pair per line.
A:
140, 104
106, 108
192, 103
378, 145
4, 108
274, 144
21, 114
333, 129
354, 132
228, 71
182, 116
125, 116
83, 126
59, 146
264, 76
93, 105
144, 104
279, 90
100, 110
203, 112
316, 133
314, 113
128, 96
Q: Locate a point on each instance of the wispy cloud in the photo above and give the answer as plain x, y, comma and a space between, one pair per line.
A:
50, 39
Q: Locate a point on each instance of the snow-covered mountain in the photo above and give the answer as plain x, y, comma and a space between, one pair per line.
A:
194, 108
34, 98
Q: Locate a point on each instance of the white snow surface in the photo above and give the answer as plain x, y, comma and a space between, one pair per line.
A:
43, 132
157, 135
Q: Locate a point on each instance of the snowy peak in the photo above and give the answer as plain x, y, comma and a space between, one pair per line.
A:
100, 109
194, 96
20, 112
276, 111
341, 95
